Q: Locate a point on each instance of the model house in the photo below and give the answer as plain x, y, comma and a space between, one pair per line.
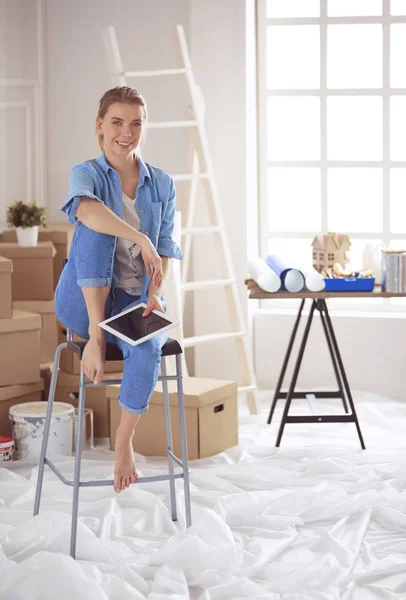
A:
329, 249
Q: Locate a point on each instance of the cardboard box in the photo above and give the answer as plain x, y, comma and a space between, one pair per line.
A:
211, 410
16, 394
49, 332
6, 268
67, 390
19, 348
60, 234
70, 362
32, 276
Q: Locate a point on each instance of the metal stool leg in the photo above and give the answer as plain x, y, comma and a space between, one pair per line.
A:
183, 437
47, 426
168, 428
78, 456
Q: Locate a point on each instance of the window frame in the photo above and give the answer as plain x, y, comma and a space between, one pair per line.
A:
386, 92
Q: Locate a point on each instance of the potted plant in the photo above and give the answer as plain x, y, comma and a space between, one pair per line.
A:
26, 218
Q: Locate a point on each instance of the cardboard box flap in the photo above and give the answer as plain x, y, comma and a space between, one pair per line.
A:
41, 250
59, 233
197, 391
6, 265
20, 321
35, 306
15, 391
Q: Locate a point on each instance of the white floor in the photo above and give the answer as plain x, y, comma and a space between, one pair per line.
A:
316, 519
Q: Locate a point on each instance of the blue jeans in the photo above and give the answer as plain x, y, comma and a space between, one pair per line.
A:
141, 363
91, 262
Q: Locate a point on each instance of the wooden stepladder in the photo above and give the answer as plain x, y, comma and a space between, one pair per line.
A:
201, 173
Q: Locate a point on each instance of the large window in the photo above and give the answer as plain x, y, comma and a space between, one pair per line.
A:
332, 123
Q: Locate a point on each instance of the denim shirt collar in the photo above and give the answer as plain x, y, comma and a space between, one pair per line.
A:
104, 165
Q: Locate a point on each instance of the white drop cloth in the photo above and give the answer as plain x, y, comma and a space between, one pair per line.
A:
316, 519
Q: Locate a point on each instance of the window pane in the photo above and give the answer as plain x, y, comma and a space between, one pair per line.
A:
354, 128
397, 55
294, 199
293, 8
397, 244
397, 200
398, 7
398, 128
298, 250
354, 200
293, 128
354, 56
293, 56
354, 8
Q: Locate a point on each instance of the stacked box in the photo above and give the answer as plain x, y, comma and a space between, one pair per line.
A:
60, 234
20, 348
49, 332
6, 307
32, 275
211, 409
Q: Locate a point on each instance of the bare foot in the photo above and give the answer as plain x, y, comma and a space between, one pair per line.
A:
125, 472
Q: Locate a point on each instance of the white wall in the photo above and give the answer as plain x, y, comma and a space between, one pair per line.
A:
78, 76
18, 60
371, 346
218, 55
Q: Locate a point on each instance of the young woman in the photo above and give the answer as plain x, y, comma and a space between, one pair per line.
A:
124, 212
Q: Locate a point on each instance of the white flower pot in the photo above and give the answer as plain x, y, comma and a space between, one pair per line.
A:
27, 236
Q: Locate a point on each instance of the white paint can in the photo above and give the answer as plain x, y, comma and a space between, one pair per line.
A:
28, 420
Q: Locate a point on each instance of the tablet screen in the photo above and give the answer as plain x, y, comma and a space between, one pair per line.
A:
133, 325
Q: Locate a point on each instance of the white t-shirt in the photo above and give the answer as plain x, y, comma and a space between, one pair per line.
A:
128, 254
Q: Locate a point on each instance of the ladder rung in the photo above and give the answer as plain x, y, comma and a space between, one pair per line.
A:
198, 230
190, 176
210, 337
246, 388
200, 285
154, 73
171, 124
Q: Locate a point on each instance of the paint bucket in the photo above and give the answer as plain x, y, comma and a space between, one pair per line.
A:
6, 448
87, 429
27, 421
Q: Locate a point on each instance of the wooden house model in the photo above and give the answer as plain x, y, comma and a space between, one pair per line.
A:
330, 248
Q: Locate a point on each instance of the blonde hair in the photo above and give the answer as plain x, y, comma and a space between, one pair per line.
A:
122, 94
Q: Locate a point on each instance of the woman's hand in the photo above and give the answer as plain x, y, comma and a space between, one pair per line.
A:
154, 303
150, 255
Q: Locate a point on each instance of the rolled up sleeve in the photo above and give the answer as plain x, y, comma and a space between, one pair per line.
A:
81, 185
166, 245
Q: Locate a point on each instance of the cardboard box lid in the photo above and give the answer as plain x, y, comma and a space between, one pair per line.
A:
197, 391
60, 233
41, 250
20, 321
70, 380
35, 306
14, 391
6, 265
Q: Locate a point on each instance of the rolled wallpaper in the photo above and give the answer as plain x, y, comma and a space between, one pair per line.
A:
267, 279
292, 279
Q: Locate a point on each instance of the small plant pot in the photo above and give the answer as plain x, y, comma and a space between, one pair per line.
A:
27, 236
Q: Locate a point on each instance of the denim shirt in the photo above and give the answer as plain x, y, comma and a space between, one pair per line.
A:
98, 267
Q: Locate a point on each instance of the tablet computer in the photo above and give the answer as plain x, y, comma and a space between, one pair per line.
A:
133, 328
